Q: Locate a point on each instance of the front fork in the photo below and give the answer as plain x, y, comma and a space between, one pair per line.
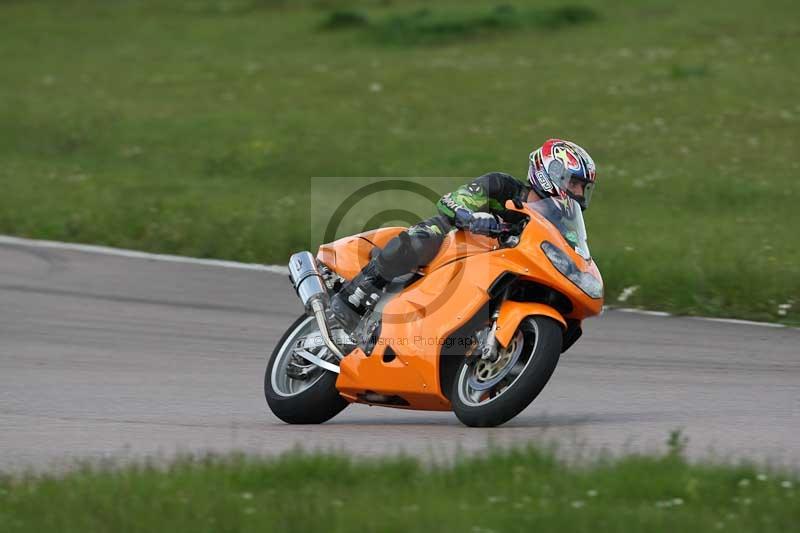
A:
489, 349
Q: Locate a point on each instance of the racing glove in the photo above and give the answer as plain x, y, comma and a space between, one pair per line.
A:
462, 217
484, 224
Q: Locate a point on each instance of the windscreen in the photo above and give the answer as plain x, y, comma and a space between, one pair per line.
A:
565, 214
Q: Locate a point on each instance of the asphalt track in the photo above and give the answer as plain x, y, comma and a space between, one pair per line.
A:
104, 356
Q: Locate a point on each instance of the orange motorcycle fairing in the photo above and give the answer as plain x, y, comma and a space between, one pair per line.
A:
407, 383
348, 255
415, 325
438, 310
512, 313
458, 245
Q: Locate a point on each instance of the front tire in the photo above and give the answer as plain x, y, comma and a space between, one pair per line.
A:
484, 396
313, 400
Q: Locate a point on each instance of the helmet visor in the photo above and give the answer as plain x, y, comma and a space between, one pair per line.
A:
576, 185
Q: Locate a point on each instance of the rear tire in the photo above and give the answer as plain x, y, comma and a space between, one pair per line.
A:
315, 404
541, 337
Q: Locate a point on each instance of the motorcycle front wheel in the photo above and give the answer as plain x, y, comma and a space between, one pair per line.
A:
490, 393
299, 392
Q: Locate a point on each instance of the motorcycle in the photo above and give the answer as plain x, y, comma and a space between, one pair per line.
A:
478, 331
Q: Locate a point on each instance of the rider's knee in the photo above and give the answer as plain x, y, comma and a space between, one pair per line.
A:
425, 244
397, 257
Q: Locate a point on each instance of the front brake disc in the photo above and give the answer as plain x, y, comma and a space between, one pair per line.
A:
486, 374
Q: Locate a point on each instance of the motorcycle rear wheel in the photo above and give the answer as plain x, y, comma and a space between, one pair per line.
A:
528, 370
313, 400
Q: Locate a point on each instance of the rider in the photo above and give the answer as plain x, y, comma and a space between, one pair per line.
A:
557, 169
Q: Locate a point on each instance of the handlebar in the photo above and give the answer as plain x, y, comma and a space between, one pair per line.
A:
505, 229
508, 228
510, 232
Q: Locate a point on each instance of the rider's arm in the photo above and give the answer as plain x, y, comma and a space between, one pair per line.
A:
486, 193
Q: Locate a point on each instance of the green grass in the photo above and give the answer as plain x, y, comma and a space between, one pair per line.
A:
525, 489
344, 19
194, 126
428, 26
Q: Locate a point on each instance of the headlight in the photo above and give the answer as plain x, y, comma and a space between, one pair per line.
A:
592, 286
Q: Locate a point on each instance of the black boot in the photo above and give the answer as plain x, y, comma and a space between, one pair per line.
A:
358, 296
